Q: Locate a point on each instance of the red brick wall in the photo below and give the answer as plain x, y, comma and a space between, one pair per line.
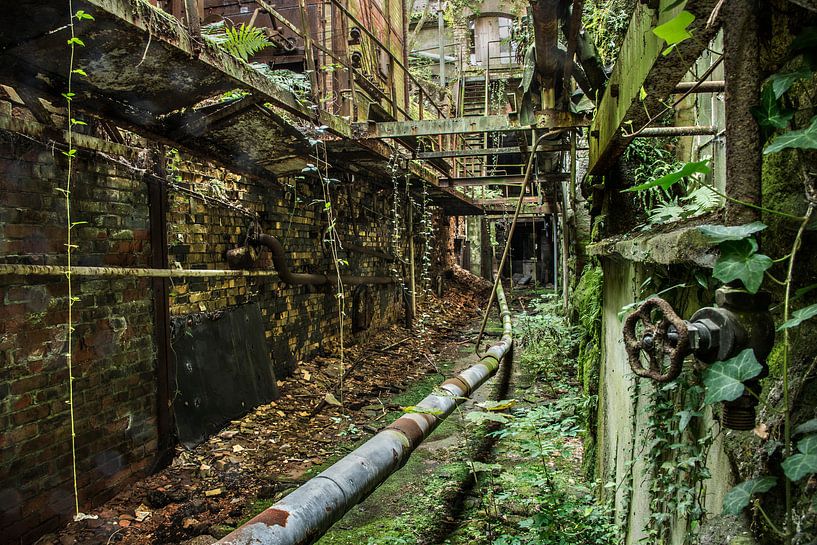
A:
114, 389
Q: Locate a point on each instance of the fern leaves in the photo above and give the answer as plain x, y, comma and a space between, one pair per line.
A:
240, 41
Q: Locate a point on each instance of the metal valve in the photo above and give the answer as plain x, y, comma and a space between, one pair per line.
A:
666, 339
741, 320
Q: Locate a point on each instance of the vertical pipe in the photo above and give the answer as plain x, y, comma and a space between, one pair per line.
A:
157, 210
191, 9
743, 157
306, 28
441, 37
565, 282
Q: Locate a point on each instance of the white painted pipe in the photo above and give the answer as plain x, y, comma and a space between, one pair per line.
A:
307, 513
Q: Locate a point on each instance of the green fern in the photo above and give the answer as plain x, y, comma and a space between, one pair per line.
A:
241, 41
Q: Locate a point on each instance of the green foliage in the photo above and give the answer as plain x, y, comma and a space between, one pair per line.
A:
539, 485
606, 22
724, 379
676, 447
739, 260
771, 114
801, 139
675, 31
804, 462
669, 190
739, 496
548, 341
799, 316
667, 181
239, 41
782, 81
722, 233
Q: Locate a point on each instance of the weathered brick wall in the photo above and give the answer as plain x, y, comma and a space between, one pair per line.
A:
114, 352
114, 390
300, 320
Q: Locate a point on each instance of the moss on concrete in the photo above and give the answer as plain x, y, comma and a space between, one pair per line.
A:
587, 299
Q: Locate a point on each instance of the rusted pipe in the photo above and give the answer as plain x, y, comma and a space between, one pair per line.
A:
279, 261
660, 132
713, 86
306, 514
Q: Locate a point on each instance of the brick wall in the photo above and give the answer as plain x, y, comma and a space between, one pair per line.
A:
114, 349
300, 320
113, 353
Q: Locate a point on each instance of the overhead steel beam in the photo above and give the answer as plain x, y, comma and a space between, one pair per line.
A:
642, 65
512, 180
550, 119
479, 152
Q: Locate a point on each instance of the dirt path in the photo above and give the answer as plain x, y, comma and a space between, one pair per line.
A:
258, 459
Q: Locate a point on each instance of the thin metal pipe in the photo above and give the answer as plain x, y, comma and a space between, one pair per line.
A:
702, 130
118, 272
520, 200
278, 261
303, 516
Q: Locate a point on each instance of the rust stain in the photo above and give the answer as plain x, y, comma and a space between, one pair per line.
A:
409, 428
274, 517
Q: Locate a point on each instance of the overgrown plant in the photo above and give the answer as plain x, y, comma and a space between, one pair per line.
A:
741, 261
71, 153
242, 41
321, 169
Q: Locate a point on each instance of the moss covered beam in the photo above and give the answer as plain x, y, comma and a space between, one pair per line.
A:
550, 119
641, 64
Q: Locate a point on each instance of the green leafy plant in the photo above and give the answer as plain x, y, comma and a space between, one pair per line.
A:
71, 154
724, 379
675, 31
239, 41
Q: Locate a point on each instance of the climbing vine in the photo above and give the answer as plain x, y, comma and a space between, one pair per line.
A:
321, 169
73, 42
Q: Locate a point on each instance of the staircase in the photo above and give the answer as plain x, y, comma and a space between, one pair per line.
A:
473, 104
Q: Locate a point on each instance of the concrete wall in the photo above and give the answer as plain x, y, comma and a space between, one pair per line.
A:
623, 434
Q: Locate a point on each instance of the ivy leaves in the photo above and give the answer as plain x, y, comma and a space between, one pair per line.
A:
770, 114
738, 259
722, 233
804, 462
799, 316
724, 379
795, 467
802, 139
738, 498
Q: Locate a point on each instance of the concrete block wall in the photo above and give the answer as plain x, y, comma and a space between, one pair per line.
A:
114, 402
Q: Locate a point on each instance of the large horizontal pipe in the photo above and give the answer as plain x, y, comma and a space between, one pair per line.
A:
279, 261
306, 514
700, 130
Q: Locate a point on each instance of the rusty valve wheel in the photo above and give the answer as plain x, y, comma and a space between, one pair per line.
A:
657, 341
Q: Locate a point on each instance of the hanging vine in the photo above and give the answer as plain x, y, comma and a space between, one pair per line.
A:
321, 169
70, 154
